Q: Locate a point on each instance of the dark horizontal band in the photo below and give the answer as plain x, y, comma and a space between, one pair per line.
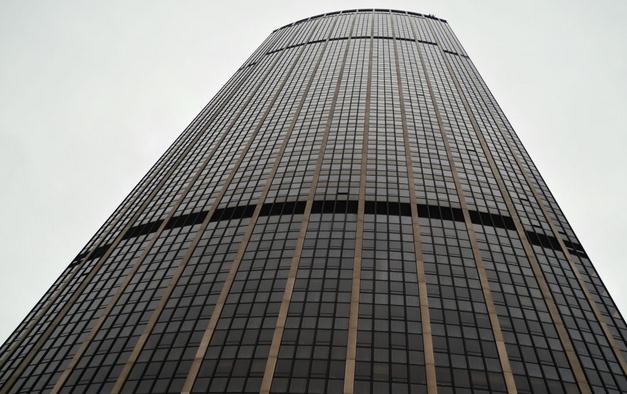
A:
340, 207
354, 38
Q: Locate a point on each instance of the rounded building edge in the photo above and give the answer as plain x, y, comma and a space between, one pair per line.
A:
358, 10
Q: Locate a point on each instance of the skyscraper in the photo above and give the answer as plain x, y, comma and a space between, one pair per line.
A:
352, 213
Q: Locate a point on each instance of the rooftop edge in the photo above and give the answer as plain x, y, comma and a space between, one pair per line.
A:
357, 10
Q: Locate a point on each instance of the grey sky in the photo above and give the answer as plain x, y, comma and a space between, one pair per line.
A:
91, 94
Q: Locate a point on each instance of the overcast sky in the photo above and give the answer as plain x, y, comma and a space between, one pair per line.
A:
92, 93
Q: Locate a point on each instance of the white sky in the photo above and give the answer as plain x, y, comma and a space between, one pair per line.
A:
92, 93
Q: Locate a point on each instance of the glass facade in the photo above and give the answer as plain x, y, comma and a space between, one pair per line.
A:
352, 213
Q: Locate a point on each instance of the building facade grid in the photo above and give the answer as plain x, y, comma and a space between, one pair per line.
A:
351, 213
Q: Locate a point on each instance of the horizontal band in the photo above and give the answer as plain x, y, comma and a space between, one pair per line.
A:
392, 208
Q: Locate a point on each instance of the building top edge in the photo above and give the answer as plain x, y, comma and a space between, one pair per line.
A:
361, 10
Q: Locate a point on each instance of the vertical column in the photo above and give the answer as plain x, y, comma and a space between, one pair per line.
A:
539, 361
547, 206
200, 362
267, 382
420, 269
592, 332
351, 347
480, 267
574, 361
167, 242
311, 354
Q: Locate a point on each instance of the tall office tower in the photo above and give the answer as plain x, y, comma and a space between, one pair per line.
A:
352, 213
